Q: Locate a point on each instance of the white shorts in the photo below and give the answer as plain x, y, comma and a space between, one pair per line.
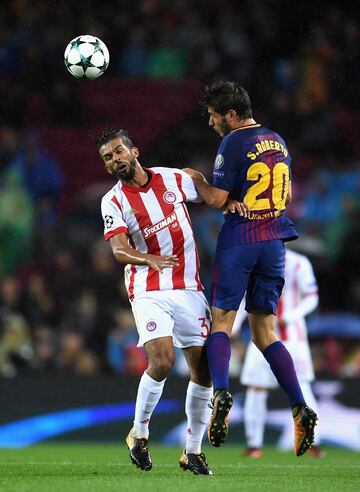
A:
183, 315
256, 370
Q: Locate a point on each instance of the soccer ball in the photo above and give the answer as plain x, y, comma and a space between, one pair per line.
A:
86, 57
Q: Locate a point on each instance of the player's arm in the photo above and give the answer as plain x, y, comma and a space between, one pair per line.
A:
215, 197
124, 253
309, 300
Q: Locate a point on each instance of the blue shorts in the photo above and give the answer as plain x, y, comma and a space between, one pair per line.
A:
257, 269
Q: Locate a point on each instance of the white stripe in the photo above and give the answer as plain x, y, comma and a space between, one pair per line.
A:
189, 243
189, 250
140, 245
164, 237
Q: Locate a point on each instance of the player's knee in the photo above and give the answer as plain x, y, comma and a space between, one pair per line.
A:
263, 336
161, 366
263, 340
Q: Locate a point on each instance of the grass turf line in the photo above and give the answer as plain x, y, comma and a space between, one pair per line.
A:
106, 467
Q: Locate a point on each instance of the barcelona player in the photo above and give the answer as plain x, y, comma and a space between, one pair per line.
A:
251, 176
298, 299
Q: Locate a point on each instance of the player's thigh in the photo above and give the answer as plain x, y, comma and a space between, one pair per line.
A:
267, 279
231, 275
256, 370
160, 353
192, 318
153, 319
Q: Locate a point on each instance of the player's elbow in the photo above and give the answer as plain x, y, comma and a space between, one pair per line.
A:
120, 254
217, 202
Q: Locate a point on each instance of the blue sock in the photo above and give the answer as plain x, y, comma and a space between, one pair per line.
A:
218, 354
282, 366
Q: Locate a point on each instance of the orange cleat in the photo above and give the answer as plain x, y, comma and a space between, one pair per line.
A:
316, 452
218, 426
304, 426
253, 453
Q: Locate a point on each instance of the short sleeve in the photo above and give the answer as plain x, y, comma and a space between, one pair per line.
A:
187, 187
226, 165
112, 215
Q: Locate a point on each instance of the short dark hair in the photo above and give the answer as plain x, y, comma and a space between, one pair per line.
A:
106, 135
225, 95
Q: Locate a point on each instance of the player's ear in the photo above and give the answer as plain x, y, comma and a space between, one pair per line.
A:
232, 114
135, 152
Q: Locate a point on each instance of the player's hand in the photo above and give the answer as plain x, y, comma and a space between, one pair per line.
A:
193, 173
158, 263
233, 206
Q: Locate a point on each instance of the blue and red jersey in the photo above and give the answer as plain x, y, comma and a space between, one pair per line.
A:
254, 165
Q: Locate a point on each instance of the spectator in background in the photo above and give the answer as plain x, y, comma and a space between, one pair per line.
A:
123, 355
74, 357
39, 170
134, 59
8, 146
39, 305
16, 350
167, 60
11, 295
16, 223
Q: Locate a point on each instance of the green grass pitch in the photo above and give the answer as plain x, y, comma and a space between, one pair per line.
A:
100, 467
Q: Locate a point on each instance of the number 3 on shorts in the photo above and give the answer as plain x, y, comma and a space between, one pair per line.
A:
206, 332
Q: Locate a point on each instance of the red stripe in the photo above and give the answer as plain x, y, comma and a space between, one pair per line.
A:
112, 233
133, 273
116, 201
197, 277
262, 232
177, 236
152, 243
178, 178
307, 294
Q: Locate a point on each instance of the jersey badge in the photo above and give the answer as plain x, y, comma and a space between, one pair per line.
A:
219, 161
109, 220
151, 325
169, 196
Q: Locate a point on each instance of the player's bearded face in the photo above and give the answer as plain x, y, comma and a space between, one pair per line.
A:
125, 170
223, 127
219, 123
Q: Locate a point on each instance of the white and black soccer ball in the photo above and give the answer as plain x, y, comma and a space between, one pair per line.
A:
86, 57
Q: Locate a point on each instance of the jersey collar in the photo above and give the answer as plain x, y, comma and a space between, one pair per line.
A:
254, 125
136, 189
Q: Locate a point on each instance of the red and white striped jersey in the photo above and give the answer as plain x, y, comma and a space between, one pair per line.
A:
157, 222
299, 297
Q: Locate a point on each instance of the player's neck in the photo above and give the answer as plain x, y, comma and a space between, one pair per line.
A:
242, 123
141, 178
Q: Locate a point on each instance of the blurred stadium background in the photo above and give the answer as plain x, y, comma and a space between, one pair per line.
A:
67, 336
